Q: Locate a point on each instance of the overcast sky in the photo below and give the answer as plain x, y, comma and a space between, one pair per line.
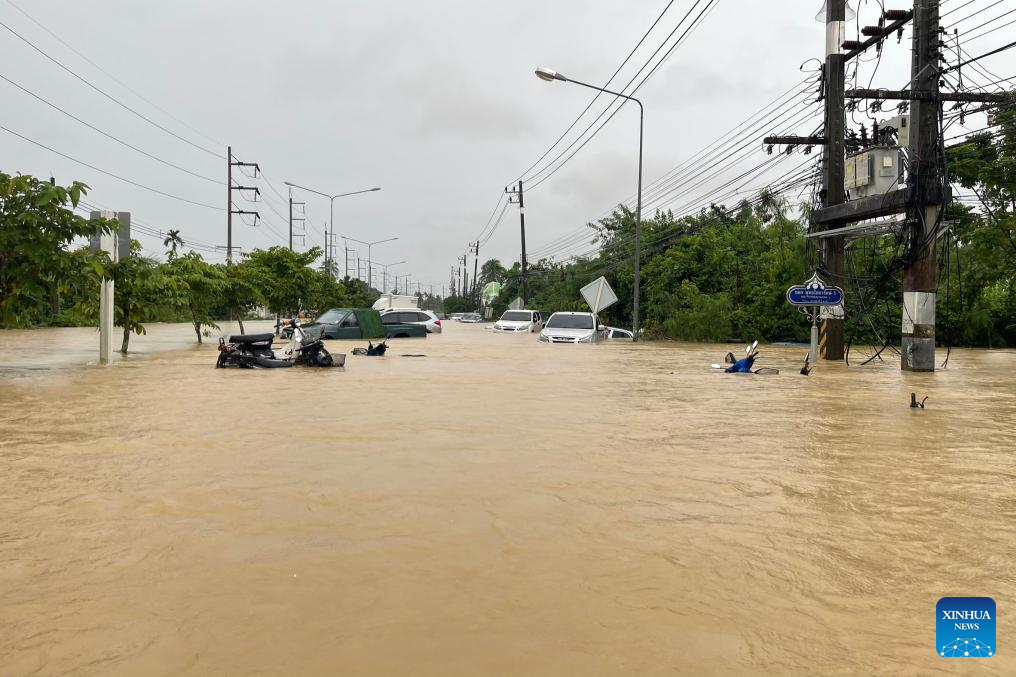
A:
434, 101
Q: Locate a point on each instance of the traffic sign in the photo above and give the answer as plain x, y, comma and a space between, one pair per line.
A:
598, 294
814, 293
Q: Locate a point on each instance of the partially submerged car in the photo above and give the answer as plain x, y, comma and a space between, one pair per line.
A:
359, 323
520, 321
572, 327
471, 318
614, 333
426, 318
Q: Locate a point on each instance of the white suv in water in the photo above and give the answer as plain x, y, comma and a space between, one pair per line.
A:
572, 328
519, 321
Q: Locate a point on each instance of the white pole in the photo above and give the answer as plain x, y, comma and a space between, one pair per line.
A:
108, 244
814, 337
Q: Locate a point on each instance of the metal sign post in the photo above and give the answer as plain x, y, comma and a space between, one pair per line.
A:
814, 298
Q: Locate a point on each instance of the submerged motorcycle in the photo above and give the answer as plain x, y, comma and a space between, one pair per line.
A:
254, 351
745, 364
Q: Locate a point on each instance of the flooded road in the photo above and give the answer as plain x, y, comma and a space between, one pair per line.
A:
503, 507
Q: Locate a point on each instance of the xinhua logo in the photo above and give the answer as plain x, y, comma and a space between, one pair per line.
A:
965, 627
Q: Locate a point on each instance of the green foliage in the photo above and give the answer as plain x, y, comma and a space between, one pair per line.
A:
287, 276
458, 304
359, 294
980, 299
36, 228
200, 285
173, 240
492, 271
711, 276
143, 292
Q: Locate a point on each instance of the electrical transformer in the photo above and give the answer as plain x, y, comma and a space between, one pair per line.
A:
873, 171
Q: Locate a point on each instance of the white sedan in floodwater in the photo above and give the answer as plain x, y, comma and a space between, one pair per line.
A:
519, 321
572, 327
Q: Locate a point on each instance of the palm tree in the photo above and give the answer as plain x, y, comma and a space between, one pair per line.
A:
173, 240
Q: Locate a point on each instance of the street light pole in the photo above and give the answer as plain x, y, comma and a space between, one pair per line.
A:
550, 76
386, 266
331, 211
369, 245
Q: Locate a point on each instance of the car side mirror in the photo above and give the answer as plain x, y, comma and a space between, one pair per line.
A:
601, 327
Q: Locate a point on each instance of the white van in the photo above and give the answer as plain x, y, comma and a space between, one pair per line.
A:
519, 321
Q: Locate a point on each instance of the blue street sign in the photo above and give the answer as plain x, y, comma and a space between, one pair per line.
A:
814, 293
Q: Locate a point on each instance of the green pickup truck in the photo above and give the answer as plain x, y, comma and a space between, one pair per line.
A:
359, 323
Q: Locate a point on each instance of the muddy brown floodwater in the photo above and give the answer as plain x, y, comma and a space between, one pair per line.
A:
502, 507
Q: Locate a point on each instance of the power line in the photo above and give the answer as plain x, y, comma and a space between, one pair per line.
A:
693, 167
549, 170
110, 75
106, 134
111, 174
108, 96
523, 177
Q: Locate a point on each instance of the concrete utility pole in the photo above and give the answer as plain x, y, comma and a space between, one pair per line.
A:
515, 195
833, 164
117, 245
230, 210
476, 263
833, 158
920, 277
927, 189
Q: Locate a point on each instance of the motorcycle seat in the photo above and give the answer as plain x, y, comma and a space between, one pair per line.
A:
251, 338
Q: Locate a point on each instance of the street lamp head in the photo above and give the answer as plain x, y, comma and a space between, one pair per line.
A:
548, 75
373, 189
289, 183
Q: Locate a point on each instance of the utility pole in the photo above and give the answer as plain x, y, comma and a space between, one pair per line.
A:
927, 188
833, 160
350, 255
476, 263
291, 218
451, 281
920, 277
515, 195
230, 162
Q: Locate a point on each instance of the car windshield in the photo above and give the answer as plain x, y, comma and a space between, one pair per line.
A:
571, 322
332, 316
471, 316
516, 316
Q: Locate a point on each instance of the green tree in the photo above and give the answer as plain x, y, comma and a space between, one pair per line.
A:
984, 310
173, 240
200, 285
359, 295
287, 278
36, 228
242, 289
327, 292
142, 293
458, 304
492, 271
